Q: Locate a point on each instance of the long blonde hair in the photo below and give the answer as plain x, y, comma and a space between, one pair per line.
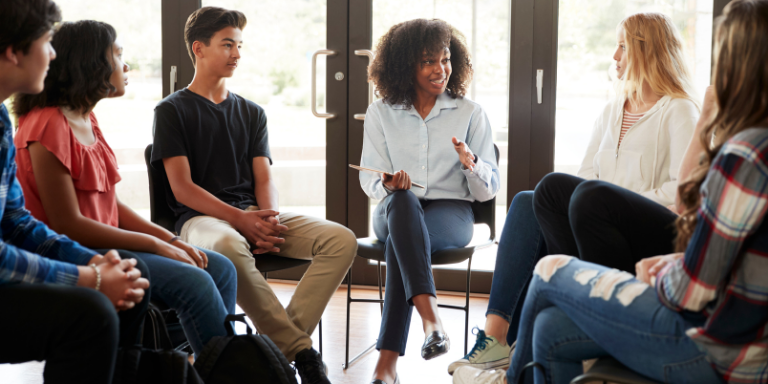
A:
740, 80
654, 54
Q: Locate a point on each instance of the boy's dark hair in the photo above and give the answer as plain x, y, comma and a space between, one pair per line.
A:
24, 21
205, 22
79, 77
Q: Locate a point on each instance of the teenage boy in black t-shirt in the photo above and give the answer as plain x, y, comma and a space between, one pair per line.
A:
213, 144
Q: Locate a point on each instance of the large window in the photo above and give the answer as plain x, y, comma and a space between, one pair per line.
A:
586, 72
127, 121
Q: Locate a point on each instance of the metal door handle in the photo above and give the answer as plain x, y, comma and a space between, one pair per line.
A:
173, 78
539, 83
370, 54
313, 101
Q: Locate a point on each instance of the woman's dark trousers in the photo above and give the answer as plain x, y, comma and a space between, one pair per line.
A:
601, 222
413, 229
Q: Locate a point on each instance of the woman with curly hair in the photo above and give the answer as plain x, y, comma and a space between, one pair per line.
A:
69, 173
696, 316
423, 129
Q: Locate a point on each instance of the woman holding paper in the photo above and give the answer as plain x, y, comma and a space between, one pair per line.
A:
422, 130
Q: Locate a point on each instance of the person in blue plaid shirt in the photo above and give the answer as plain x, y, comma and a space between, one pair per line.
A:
59, 300
706, 319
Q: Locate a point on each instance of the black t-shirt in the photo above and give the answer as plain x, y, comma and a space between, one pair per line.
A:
220, 142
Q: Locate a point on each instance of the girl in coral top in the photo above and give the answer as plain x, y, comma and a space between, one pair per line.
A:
68, 173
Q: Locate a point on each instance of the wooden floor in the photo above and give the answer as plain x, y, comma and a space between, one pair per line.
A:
366, 319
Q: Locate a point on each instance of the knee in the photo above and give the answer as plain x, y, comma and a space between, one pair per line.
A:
199, 282
549, 265
223, 266
587, 197
235, 247
342, 243
522, 200
403, 199
545, 187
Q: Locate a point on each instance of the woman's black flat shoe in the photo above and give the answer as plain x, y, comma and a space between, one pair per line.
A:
436, 344
379, 381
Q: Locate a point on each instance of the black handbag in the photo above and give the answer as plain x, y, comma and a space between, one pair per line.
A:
243, 359
159, 365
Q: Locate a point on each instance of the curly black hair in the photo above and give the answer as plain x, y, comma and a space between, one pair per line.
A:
401, 49
79, 77
24, 21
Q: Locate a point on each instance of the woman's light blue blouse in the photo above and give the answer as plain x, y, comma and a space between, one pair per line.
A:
399, 139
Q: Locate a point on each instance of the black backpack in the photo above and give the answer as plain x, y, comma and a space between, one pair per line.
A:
243, 359
159, 365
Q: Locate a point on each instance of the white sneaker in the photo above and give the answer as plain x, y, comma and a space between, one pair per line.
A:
487, 353
469, 375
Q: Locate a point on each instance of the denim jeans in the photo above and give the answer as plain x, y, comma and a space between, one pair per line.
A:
413, 229
201, 298
577, 310
521, 245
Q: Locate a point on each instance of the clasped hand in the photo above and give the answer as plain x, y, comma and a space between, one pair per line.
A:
647, 268
120, 281
262, 229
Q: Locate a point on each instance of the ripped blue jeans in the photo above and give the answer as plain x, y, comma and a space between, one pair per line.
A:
575, 311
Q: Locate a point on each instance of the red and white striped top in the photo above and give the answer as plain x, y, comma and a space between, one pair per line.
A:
629, 120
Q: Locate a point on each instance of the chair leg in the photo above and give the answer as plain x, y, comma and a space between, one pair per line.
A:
381, 297
349, 301
347, 361
320, 330
466, 305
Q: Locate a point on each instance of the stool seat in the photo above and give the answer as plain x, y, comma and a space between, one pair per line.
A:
373, 249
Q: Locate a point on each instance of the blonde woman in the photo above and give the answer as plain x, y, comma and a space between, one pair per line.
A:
705, 320
638, 143
637, 147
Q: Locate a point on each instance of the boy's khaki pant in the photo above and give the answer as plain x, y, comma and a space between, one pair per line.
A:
331, 247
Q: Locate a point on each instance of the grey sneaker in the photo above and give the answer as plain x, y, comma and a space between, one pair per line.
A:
487, 353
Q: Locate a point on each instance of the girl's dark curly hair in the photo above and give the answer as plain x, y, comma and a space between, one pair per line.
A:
402, 48
79, 77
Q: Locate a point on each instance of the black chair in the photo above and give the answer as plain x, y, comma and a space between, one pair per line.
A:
608, 369
370, 248
162, 215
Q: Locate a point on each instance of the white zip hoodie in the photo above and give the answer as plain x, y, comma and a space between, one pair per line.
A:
651, 151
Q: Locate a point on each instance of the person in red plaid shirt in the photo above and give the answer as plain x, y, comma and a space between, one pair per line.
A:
706, 319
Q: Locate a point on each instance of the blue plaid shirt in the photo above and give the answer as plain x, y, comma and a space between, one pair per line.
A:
30, 252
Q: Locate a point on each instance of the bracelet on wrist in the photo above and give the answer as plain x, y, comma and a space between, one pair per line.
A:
98, 276
173, 239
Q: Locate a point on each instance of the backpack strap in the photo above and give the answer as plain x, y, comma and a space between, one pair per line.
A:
160, 329
276, 359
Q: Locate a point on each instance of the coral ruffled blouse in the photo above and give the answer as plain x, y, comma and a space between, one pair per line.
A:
93, 167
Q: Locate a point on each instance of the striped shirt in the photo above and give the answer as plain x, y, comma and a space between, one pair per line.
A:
721, 285
629, 120
30, 252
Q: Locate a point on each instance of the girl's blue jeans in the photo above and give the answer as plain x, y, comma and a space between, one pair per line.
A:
575, 311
